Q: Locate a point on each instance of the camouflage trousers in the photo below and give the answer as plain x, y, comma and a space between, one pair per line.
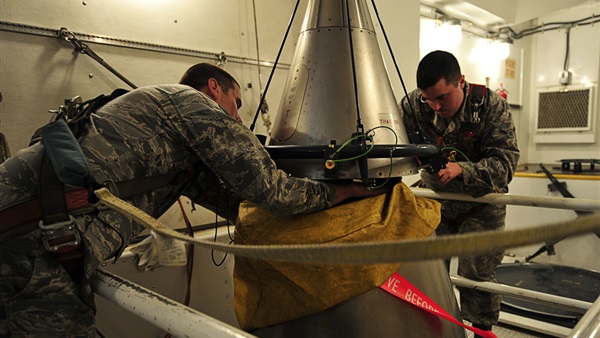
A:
477, 306
39, 298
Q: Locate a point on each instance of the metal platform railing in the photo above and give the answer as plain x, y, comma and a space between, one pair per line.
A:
173, 317
580, 204
180, 320
533, 296
589, 325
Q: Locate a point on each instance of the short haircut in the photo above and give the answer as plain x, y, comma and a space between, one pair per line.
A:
435, 66
197, 77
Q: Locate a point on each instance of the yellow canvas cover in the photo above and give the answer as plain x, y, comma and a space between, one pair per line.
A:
268, 292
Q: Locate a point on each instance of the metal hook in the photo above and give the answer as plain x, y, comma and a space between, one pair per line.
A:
82, 48
222, 59
68, 36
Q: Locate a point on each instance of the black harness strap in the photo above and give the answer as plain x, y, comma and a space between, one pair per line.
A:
54, 210
68, 185
59, 237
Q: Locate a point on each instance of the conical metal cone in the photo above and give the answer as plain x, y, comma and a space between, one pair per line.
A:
320, 97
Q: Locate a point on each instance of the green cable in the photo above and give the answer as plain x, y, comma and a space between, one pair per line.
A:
391, 151
370, 138
463, 155
358, 156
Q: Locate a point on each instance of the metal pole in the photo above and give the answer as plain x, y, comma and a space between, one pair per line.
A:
526, 200
533, 296
173, 317
589, 325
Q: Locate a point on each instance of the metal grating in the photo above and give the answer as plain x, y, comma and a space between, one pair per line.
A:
562, 110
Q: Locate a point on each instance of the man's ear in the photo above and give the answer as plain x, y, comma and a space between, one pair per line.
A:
213, 91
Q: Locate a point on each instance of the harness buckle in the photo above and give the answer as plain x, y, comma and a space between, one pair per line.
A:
475, 114
60, 235
477, 95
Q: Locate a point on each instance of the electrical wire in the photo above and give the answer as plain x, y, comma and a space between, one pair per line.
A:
419, 130
257, 48
372, 130
512, 34
359, 125
190, 253
472, 166
566, 64
348, 142
231, 240
590, 20
369, 135
262, 99
190, 260
391, 153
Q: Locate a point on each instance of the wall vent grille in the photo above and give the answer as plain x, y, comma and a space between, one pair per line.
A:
564, 110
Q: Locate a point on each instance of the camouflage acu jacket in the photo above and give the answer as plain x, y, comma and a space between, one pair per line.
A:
491, 144
162, 129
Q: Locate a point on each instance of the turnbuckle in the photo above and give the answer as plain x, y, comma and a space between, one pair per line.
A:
59, 235
68, 36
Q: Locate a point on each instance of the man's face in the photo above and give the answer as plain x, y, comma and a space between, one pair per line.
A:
445, 99
231, 100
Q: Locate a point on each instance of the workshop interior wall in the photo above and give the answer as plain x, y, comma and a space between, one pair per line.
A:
548, 53
38, 72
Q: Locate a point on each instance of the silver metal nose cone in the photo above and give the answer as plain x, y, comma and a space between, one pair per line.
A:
329, 78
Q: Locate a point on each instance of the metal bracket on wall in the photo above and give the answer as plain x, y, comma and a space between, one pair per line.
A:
105, 40
83, 48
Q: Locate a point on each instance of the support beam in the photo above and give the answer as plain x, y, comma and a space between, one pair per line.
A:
589, 325
529, 295
580, 204
173, 317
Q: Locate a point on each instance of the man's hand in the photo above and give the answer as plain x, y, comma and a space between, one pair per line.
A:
343, 191
451, 171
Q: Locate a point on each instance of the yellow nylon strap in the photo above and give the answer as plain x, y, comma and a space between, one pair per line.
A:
375, 252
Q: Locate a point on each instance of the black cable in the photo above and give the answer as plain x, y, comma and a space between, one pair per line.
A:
359, 126
544, 27
212, 252
565, 66
262, 99
83, 48
387, 41
227, 214
363, 164
190, 261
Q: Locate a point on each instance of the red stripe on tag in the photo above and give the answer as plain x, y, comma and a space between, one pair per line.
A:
403, 289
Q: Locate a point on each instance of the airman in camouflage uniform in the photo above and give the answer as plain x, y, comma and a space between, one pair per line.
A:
147, 132
486, 155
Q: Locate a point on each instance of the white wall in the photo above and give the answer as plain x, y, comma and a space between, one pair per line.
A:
38, 72
538, 58
548, 56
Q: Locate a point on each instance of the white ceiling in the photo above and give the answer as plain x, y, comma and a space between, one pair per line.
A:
494, 13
